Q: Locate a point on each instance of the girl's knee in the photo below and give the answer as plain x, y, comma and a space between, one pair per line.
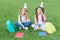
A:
28, 24
17, 24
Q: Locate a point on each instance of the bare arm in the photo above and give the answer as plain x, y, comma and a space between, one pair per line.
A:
28, 19
20, 21
35, 20
44, 17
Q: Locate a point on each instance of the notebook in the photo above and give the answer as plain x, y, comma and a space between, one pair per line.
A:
19, 35
41, 33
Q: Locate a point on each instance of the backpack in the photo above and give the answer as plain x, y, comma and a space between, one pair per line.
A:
50, 28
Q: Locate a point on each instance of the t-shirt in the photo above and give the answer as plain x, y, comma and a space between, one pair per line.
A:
40, 19
23, 19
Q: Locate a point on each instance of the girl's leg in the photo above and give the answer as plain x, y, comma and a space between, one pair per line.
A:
18, 25
42, 27
36, 27
27, 24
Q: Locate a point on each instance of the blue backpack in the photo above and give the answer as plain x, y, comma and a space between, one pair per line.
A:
10, 26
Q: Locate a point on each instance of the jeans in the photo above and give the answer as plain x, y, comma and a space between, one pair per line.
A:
27, 24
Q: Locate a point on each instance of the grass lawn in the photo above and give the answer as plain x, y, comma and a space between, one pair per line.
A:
9, 10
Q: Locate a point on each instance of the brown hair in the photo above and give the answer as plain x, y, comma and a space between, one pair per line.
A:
37, 14
20, 12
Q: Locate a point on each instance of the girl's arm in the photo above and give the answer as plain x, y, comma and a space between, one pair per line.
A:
20, 21
28, 17
44, 18
35, 20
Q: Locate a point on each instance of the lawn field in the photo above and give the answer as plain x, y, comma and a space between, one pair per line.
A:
9, 11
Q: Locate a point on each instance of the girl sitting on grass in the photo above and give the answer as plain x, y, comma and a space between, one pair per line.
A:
39, 18
23, 19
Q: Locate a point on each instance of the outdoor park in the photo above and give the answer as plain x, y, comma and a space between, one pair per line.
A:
9, 10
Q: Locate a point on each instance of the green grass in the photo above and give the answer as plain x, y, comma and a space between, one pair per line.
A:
9, 10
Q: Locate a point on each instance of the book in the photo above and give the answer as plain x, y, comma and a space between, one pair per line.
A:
41, 33
19, 35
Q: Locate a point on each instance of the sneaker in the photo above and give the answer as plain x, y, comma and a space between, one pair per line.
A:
36, 28
26, 28
20, 28
33, 25
43, 28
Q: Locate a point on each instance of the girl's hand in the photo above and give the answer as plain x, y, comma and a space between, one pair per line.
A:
27, 17
41, 12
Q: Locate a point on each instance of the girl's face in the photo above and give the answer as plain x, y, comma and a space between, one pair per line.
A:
39, 10
23, 11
